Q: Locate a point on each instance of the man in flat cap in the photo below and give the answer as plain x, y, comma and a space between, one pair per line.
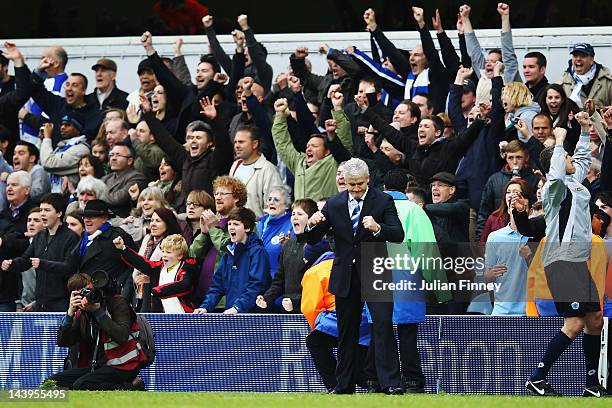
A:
106, 94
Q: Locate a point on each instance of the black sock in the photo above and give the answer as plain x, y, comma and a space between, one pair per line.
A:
590, 347
556, 347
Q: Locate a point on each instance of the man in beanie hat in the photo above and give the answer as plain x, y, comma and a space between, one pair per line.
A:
64, 159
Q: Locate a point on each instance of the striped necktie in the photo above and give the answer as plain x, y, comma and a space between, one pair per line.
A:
355, 215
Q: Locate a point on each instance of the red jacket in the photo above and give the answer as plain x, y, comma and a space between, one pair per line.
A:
185, 281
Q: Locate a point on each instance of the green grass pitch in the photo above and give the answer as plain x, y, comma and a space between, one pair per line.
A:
287, 400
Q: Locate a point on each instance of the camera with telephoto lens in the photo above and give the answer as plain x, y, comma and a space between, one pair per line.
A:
100, 281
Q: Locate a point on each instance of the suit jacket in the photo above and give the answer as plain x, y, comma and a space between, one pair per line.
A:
118, 185
376, 204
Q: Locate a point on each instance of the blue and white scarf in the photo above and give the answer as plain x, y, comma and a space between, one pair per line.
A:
53, 85
88, 239
417, 84
581, 80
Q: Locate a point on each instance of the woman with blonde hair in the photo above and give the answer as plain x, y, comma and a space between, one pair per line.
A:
518, 103
150, 199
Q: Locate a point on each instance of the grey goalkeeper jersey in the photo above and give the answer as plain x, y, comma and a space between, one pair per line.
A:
566, 206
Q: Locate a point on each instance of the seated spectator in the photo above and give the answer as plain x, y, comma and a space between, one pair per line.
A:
148, 154
28, 278
150, 199
243, 271
64, 159
500, 217
176, 274
122, 177
89, 188
106, 94
286, 281
315, 169
13, 225
253, 169
586, 79
163, 223
47, 253
169, 181
26, 157
276, 226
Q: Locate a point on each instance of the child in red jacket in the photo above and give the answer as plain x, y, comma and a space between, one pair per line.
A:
176, 274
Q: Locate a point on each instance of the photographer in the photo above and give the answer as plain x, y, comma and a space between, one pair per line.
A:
105, 329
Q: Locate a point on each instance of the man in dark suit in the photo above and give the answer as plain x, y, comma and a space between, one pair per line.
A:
357, 216
96, 250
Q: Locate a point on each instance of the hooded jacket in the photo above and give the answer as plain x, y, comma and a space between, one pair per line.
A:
241, 275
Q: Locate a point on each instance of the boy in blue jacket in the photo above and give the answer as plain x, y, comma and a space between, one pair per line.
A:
243, 271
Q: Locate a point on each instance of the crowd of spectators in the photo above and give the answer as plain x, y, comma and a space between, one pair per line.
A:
190, 190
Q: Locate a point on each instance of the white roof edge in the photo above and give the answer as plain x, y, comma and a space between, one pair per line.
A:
312, 37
